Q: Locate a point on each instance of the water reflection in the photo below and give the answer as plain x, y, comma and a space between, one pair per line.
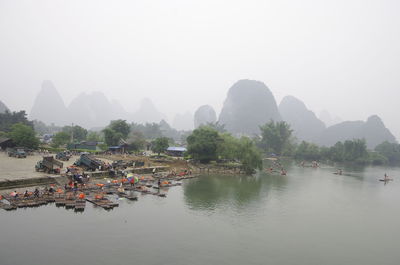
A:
216, 191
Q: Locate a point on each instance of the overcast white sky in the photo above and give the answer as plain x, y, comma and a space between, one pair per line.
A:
342, 56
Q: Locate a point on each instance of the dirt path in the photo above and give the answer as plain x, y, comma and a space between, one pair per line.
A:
18, 168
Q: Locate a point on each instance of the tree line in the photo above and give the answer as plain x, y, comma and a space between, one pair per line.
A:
277, 138
207, 143
16, 126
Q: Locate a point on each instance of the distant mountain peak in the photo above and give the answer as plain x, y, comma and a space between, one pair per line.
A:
305, 124
147, 112
375, 119
48, 106
373, 131
3, 107
203, 115
248, 105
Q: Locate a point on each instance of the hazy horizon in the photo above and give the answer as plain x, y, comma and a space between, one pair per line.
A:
339, 56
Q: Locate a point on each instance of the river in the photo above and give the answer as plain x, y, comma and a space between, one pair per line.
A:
310, 216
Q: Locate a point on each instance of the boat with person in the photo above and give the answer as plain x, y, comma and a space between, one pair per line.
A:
386, 178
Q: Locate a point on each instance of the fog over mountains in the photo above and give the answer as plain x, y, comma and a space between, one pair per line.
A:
249, 104
308, 127
147, 113
203, 115
87, 109
183, 121
303, 121
3, 107
373, 131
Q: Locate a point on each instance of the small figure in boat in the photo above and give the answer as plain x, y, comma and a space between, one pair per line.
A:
339, 172
26, 194
386, 177
302, 164
283, 172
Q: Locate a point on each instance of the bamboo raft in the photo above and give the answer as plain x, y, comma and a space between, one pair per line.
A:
128, 196
60, 201
103, 203
7, 207
95, 193
80, 205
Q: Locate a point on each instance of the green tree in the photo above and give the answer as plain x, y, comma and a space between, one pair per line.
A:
8, 119
136, 141
228, 147
389, 150
307, 151
120, 126
355, 150
337, 152
24, 135
159, 145
3, 134
203, 144
275, 136
94, 136
112, 137
206, 144
79, 133
249, 155
61, 138
116, 131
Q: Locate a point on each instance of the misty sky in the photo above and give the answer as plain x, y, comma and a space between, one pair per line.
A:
342, 56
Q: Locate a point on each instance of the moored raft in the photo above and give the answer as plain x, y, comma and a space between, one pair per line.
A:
130, 197
7, 207
80, 205
102, 202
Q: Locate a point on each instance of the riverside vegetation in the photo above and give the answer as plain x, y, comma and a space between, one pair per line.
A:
207, 143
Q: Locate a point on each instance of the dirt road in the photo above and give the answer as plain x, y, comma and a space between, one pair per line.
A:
18, 168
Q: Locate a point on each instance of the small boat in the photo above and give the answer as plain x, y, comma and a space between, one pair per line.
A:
385, 180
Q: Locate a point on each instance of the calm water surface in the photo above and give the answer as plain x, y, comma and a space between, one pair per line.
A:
309, 217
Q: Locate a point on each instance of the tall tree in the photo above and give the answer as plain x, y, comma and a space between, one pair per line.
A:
159, 145
79, 133
120, 126
94, 136
24, 135
390, 150
61, 138
203, 144
275, 136
8, 119
136, 141
112, 137
249, 155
